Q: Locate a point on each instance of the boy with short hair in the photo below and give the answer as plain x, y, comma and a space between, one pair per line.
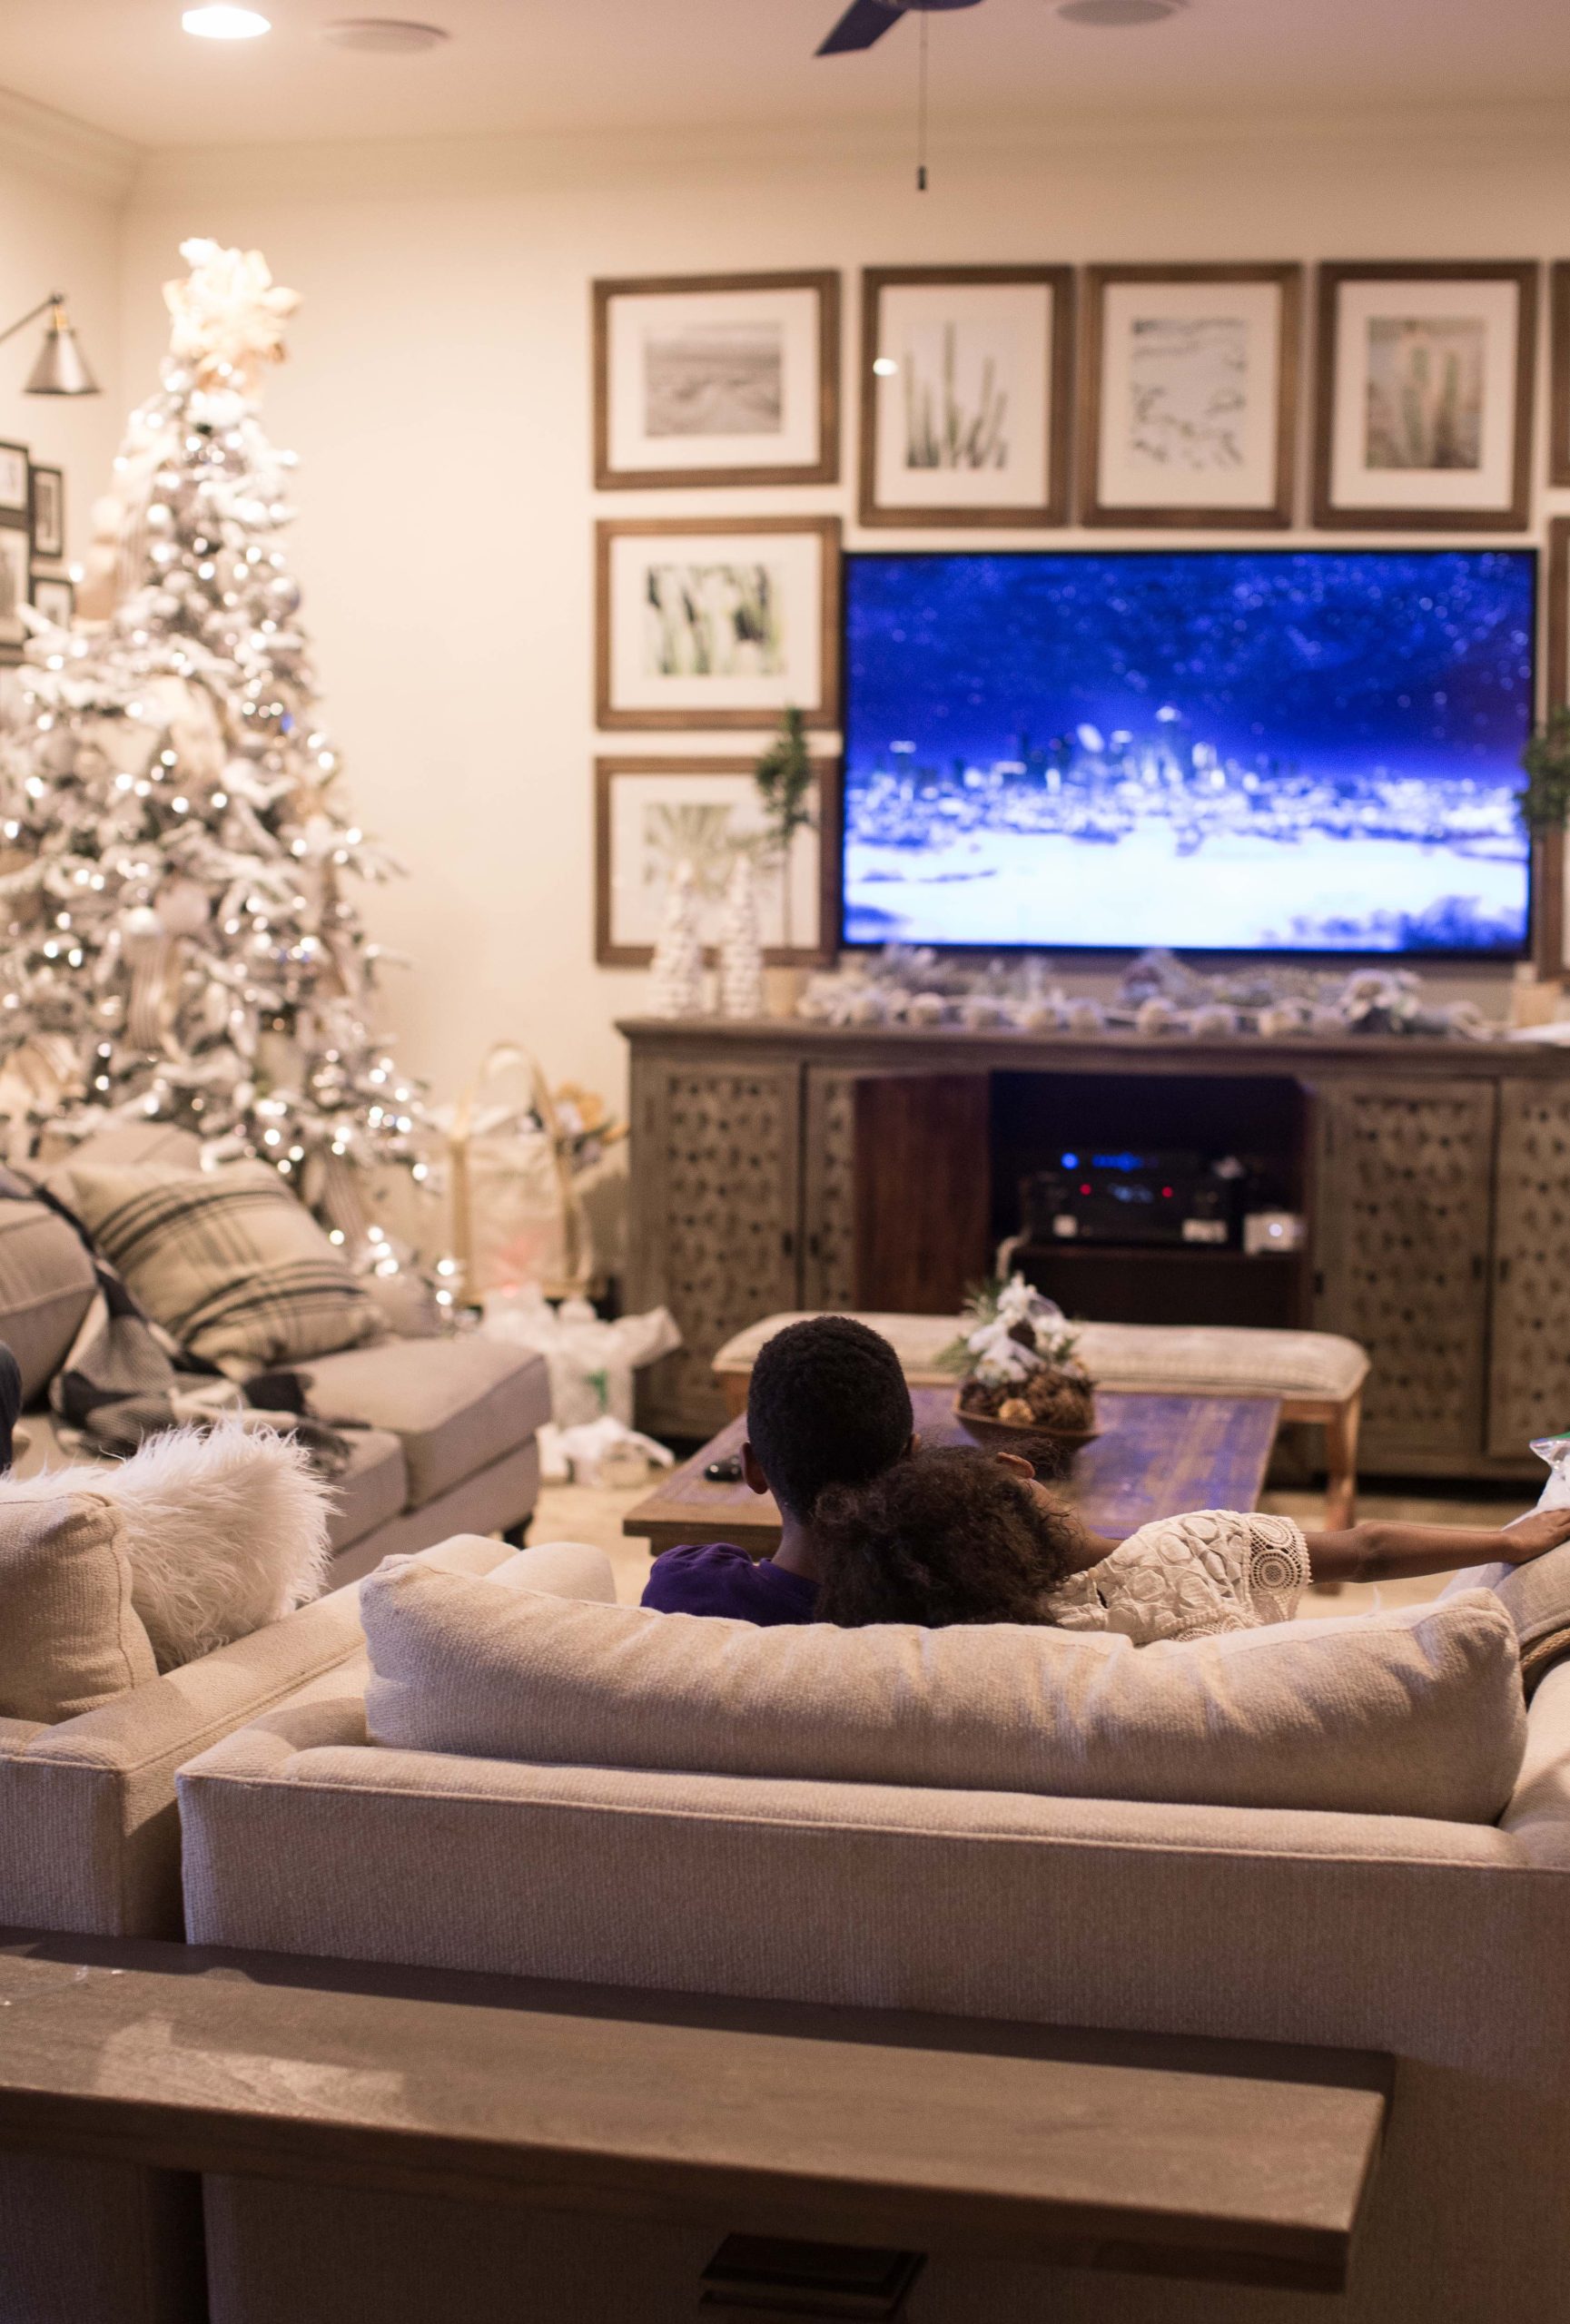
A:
828, 1405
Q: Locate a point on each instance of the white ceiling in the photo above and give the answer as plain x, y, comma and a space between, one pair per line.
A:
521, 65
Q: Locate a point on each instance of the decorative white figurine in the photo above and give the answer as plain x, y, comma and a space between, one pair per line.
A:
677, 965
741, 992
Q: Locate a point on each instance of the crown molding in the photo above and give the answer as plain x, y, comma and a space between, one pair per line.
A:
43, 143
1041, 140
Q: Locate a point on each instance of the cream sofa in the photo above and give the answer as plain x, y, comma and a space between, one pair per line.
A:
444, 1440
90, 1843
1445, 1943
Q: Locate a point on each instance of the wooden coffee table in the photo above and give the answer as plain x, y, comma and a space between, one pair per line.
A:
1157, 1456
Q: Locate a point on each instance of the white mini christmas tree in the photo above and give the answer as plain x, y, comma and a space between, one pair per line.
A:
173, 931
677, 965
740, 950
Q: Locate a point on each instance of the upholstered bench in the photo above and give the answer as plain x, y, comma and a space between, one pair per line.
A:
1317, 1376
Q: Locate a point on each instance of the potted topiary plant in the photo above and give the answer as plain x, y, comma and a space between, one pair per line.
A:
786, 778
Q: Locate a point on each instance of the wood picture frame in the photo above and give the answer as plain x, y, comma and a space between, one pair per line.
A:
1559, 371
1045, 378
16, 492
46, 512
1251, 451
808, 639
780, 385
1496, 405
611, 949
16, 583
54, 596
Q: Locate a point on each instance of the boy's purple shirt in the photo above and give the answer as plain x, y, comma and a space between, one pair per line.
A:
715, 1578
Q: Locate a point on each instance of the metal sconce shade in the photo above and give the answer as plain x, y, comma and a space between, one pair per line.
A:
61, 368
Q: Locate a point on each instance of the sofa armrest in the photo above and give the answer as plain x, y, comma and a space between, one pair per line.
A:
1539, 1815
89, 1837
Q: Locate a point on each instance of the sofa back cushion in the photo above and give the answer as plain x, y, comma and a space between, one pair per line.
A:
46, 1286
69, 1637
1416, 1712
228, 1260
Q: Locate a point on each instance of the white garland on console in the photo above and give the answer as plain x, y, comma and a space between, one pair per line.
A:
1159, 998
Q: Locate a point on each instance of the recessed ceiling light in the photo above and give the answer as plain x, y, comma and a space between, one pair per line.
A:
1118, 12
382, 35
221, 21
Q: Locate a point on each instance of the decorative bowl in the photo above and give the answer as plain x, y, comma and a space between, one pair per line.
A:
1049, 1451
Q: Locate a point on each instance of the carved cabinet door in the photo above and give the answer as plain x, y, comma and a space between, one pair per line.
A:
717, 1152
1403, 1183
896, 1203
1529, 1384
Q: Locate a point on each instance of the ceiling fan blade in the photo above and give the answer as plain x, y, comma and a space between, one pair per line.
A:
863, 22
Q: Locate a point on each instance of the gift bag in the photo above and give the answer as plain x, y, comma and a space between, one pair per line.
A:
515, 1215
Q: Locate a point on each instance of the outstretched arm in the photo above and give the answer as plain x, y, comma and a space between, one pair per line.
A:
1383, 1549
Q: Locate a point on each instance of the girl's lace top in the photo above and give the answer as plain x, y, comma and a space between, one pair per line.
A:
1191, 1577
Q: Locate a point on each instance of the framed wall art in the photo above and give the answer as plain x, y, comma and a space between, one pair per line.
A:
967, 387
48, 505
652, 813
54, 598
16, 583
723, 378
1559, 371
1190, 397
724, 624
15, 499
1423, 408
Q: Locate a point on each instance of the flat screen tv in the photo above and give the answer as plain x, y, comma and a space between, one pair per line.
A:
1261, 751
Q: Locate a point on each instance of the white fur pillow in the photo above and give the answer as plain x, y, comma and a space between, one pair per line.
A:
224, 1532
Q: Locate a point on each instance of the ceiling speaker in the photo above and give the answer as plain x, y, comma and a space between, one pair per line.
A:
382, 35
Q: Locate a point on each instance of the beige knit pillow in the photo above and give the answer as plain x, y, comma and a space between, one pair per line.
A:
227, 1260
69, 1637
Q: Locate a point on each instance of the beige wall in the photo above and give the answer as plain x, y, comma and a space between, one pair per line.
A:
62, 190
439, 394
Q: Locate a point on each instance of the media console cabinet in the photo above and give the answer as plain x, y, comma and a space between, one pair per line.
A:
783, 1165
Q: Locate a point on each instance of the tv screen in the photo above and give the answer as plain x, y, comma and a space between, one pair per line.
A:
1261, 751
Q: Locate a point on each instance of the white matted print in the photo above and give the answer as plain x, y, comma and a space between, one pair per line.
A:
726, 624
728, 380
1191, 394
966, 409
15, 588
14, 479
653, 814
1426, 396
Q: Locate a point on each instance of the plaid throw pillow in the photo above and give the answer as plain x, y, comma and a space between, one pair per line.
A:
227, 1260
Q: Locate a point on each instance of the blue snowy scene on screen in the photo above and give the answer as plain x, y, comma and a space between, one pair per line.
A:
1304, 750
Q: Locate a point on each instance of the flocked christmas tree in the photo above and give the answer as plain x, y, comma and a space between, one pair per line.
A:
175, 941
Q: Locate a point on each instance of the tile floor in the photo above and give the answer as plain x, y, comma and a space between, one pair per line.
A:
594, 1513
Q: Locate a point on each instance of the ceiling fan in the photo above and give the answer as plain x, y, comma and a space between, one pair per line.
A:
866, 21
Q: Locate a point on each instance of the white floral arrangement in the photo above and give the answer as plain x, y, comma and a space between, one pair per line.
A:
1015, 1330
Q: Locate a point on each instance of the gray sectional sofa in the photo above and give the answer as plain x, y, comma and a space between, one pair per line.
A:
444, 1440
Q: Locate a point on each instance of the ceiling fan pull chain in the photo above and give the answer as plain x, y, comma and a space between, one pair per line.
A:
922, 108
